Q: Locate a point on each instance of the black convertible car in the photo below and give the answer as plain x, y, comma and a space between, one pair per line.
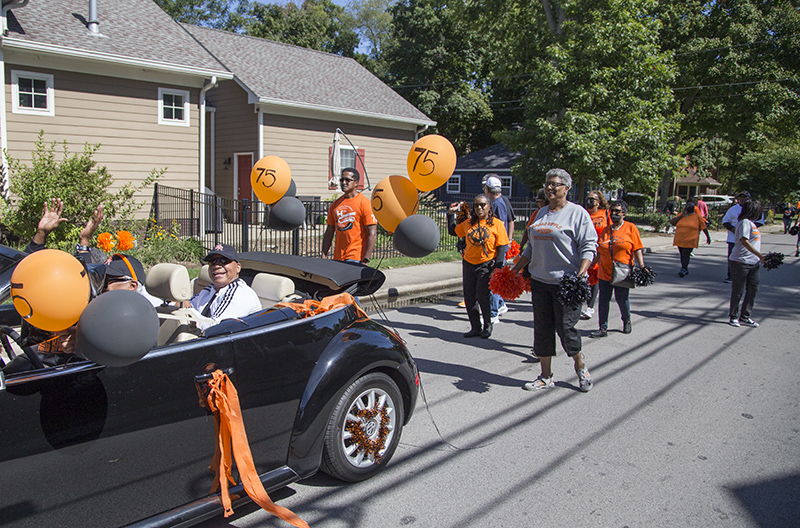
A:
83, 444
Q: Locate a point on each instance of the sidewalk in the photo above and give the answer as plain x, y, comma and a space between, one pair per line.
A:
405, 283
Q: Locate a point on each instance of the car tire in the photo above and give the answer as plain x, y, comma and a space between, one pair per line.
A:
355, 450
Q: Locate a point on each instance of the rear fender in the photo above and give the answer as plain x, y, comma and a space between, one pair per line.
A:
362, 347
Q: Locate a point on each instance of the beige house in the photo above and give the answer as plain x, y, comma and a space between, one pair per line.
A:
204, 104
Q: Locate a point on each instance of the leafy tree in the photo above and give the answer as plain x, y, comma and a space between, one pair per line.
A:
372, 20
316, 24
434, 62
773, 174
598, 102
210, 13
738, 81
76, 180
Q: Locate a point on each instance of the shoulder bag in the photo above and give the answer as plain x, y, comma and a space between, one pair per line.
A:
621, 272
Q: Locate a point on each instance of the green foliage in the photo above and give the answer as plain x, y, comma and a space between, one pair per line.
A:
164, 245
76, 180
772, 174
210, 13
316, 24
658, 221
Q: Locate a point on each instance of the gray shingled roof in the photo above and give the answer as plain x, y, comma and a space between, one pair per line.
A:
130, 29
285, 74
496, 157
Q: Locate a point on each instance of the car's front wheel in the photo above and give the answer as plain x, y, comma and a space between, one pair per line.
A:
364, 428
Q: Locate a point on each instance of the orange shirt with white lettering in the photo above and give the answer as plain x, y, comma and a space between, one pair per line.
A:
350, 217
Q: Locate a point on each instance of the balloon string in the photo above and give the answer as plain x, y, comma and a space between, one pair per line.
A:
363, 165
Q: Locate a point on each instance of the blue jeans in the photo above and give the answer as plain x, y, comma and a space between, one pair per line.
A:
620, 295
496, 303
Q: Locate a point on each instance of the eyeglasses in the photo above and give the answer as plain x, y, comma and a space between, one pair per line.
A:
112, 280
553, 185
347, 180
219, 262
481, 204
618, 211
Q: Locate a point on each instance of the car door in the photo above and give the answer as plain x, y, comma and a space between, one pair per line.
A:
87, 445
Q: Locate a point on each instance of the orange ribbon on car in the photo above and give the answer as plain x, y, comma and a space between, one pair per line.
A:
314, 307
223, 401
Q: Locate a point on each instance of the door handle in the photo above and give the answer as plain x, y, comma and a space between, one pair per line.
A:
202, 378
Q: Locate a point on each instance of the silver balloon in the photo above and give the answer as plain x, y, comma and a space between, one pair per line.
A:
416, 236
288, 213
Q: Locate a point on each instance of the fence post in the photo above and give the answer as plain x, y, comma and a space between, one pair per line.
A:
216, 219
155, 202
296, 241
245, 224
191, 213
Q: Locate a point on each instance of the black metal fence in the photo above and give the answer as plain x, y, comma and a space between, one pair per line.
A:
243, 223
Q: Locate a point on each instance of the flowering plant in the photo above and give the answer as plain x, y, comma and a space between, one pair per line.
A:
122, 241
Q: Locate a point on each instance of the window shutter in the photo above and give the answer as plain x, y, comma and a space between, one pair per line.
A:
360, 159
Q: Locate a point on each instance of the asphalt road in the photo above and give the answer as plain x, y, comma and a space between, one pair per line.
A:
691, 423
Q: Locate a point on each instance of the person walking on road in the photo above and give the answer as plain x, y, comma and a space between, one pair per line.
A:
351, 220
487, 243
688, 225
562, 240
731, 220
624, 240
597, 206
745, 262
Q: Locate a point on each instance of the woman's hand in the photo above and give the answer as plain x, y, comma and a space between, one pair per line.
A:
453, 209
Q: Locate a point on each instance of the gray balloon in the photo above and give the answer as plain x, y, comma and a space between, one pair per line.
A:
288, 213
117, 328
416, 236
292, 189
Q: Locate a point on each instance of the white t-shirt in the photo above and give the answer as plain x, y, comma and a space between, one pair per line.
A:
746, 229
234, 300
732, 217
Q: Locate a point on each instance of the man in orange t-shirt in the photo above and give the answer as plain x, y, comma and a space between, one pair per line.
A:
351, 219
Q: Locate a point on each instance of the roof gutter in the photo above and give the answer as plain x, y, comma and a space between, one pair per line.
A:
101, 57
336, 110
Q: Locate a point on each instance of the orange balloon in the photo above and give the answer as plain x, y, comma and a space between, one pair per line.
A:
393, 200
50, 289
431, 161
270, 179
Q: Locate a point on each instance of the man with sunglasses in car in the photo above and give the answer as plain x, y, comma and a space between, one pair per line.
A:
227, 296
351, 219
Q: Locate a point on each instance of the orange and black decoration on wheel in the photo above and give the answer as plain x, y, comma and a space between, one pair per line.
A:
218, 395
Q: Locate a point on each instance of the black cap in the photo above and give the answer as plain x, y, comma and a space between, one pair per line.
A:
744, 193
123, 266
223, 250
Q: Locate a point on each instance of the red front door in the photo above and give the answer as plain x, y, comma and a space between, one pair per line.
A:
244, 164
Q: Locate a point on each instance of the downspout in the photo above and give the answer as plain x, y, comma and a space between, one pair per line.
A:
202, 178
260, 133
3, 117
417, 132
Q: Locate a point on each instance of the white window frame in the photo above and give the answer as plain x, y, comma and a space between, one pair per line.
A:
455, 179
17, 109
173, 122
506, 184
342, 150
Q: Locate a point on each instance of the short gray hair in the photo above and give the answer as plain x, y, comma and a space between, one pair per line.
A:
566, 179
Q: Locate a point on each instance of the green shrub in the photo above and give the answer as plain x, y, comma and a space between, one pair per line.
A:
658, 221
76, 180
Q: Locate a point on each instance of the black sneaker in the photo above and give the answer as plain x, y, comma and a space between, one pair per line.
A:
626, 327
487, 332
473, 333
599, 333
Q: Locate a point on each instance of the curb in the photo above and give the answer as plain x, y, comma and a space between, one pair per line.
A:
398, 293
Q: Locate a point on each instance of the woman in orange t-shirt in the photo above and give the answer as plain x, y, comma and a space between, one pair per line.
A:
597, 206
688, 225
487, 242
623, 238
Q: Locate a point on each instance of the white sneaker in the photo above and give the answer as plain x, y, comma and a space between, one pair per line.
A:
584, 379
587, 313
748, 322
495, 319
503, 309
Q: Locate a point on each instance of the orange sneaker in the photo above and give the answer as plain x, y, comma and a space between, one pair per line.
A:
462, 304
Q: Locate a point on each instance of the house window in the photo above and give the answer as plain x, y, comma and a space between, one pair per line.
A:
505, 185
32, 93
348, 157
454, 184
173, 107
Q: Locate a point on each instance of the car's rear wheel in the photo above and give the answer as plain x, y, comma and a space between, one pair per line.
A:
364, 428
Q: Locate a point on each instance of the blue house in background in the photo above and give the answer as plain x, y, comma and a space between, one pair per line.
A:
467, 178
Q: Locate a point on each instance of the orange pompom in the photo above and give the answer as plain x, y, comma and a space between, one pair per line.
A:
106, 242
513, 250
592, 274
126, 241
463, 213
507, 284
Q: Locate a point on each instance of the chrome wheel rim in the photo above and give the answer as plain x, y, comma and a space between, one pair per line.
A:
368, 428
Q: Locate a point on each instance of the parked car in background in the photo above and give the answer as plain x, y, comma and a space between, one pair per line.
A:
714, 201
84, 444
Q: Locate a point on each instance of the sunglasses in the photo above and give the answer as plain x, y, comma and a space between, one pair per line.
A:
112, 280
618, 211
347, 180
481, 204
219, 261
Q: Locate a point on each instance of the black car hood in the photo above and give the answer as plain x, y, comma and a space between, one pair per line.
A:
333, 274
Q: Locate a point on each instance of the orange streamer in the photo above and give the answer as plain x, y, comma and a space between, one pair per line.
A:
223, 401
313, 307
